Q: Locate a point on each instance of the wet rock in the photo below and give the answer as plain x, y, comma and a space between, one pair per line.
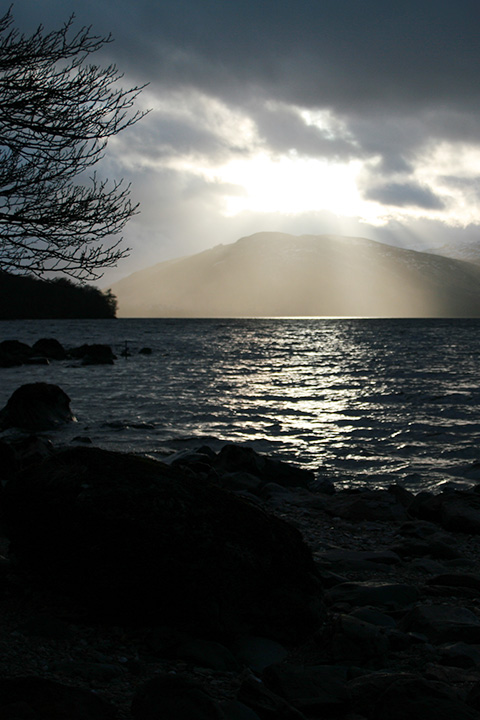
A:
240, 458
443, 623
313, 690
49, 348
390, 596
96, 354
174, 696
358, 505
33, 697
36, 406
137, 541
37, 361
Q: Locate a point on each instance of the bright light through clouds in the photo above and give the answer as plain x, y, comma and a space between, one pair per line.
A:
302, 117
290, 184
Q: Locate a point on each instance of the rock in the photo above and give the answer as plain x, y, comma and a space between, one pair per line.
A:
173, 696
47, 626
460, 655
145, 351
206, 654
358, 505
432, 546
36, 406
366, 688
37, 361
267, 704
443, 623
8, 460
390, 596
456, 510
315, 691
258, 653
241, 482
374, 617
40, 699
358, 559
91, 671
456, 580
139, 542
13, 353
96, 354
348, 640
419, 699
421, 529
234, 710
49, 348
240, 458
473, 697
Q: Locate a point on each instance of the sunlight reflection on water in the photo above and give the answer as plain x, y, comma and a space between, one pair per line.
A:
360, 400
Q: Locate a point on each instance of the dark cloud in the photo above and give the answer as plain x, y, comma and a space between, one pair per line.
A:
405, 195
399, 78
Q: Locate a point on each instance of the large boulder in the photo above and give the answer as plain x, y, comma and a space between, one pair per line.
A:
137, 541
36, 406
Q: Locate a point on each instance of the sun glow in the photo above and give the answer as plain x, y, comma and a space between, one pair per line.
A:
290, 184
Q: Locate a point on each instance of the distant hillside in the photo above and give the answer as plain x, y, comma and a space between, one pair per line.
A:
274, 275
26, 297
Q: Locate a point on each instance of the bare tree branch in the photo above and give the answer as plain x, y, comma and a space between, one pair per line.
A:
57, 113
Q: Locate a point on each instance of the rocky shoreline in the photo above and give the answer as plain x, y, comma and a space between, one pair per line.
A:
282, 597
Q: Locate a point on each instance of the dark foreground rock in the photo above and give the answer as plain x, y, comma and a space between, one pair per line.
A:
136, 541
215, 597
36, 406
40, 699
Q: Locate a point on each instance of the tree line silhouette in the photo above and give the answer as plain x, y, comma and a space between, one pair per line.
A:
26, 297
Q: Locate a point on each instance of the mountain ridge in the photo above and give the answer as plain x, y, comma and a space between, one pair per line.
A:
273, 274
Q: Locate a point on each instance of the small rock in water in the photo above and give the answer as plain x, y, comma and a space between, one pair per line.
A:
49, 348
36, 406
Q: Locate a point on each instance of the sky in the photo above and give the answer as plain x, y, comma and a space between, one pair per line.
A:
354, 117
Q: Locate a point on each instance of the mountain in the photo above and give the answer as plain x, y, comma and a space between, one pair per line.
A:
469, 252
273, 275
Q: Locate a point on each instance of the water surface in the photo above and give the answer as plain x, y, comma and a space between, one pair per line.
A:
359, 401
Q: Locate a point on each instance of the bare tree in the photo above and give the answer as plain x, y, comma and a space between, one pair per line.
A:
57, 113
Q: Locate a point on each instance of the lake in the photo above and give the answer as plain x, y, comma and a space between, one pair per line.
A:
360, 401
